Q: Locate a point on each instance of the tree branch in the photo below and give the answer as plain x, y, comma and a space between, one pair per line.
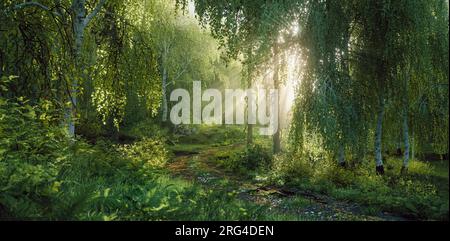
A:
94, 12
35, 4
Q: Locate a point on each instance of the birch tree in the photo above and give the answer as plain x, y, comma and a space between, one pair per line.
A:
80, 20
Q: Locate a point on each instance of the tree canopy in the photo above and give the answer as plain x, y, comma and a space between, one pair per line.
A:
91, 93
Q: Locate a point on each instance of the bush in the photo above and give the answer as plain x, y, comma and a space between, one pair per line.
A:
287, 167
251, 158
415, 195
145, 129
146, 153
32, 154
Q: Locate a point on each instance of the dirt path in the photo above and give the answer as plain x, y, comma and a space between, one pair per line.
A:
197, 167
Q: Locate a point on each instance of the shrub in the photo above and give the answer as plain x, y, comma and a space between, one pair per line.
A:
32, 154
147, 153
289, 167
251, 158
145, 129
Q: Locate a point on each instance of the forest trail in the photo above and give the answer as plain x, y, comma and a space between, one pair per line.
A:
198, 167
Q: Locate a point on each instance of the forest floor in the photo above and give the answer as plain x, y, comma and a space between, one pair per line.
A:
197, 163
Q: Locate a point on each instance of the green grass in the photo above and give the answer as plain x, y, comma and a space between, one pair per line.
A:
46, 176
186, 149
421, 194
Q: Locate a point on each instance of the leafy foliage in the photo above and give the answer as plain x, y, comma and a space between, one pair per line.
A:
373, 79
32, 154
252, 158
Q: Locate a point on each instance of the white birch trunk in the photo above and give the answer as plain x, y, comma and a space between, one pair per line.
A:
276, 85
78, 28
164, 95
405, 127
79, 25
378, 138
406, 140
81, 20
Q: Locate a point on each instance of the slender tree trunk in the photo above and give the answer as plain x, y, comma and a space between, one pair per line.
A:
405, 127
398, 149
346, 71
276, 142
406, 140
341, 155
79, 25
276, 136
249, 126
81, 20
164, 94
249, 134
378, 137
361, 154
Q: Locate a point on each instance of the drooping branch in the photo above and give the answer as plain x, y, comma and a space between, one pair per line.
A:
35, 4
28, 4
94, 12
